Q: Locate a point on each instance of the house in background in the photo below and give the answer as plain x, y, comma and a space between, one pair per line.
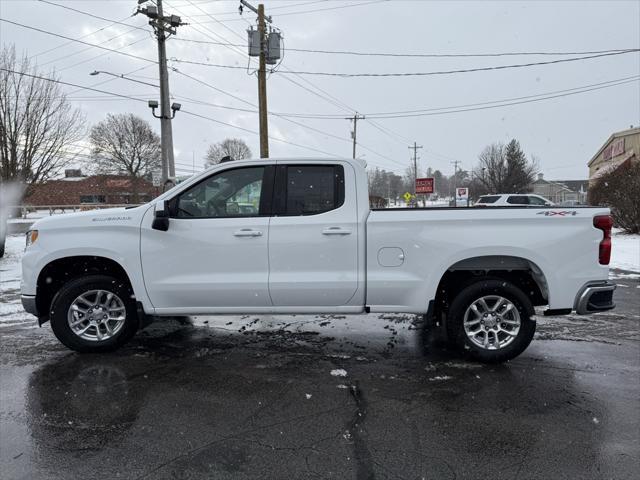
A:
559, 191
620, 148
77, 189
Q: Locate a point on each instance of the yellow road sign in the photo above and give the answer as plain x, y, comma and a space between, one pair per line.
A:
407, 197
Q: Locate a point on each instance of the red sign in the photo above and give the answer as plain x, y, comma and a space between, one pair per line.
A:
614, 149
424, 185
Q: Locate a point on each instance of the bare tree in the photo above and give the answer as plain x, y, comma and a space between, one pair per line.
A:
235, 148
125, 144
620, 190
37, 123
504, 169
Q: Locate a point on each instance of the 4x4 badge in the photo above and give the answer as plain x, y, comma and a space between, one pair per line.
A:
557, 213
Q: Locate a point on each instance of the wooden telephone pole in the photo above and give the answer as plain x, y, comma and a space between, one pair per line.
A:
163, 26
263, 40
262, 85
415, 148
355, 119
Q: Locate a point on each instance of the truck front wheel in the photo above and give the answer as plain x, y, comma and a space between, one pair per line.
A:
492, 320
95, 313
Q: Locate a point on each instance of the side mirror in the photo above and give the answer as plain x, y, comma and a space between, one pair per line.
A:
161, 216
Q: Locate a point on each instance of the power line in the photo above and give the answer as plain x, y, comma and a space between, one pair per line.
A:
488, 107
258, 133
97, 56
61, 82
235, 12
335, 52
315, 10
416, 74
409, 113
78, 41
215, 35
213, 18
423, 74
89, 14
451, 55
97, 84
282, 117
421, 55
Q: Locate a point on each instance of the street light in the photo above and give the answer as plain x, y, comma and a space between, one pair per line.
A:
98, 72
153, 104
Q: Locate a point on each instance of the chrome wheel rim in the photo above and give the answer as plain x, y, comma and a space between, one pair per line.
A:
96, 315
492, 322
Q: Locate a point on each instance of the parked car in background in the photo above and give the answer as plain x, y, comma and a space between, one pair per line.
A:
513, 200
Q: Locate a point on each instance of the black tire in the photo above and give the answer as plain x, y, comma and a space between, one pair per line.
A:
490, 287
69, 292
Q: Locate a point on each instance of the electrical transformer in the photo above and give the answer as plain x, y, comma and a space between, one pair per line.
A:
253, 37
273, 48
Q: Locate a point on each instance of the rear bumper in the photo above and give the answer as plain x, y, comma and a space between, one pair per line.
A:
595, 297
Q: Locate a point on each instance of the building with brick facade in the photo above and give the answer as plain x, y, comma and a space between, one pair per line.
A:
76, 189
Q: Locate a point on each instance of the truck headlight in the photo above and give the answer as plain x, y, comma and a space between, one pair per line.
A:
31, 237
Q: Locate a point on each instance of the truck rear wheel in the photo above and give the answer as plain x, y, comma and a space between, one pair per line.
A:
95, 313
492, 320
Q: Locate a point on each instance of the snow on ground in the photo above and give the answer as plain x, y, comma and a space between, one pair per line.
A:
625, 253
11, 311
10, 270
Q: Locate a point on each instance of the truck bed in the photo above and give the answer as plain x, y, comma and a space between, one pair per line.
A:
561, 243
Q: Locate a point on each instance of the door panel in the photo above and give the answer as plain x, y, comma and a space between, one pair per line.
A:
215, 251
313, 257
205, 263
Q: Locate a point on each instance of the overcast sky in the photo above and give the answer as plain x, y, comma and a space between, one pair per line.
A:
563, 132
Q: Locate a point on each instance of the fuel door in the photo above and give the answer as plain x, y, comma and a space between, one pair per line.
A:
390, 257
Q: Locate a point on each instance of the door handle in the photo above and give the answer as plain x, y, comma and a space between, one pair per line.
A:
247, 232
336, 231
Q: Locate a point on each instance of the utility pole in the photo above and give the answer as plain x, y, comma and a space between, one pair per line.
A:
262, 85
164, 27
268, 53
415, 148
455, 180
355, 119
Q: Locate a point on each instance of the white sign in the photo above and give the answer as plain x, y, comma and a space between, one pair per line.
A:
462, 197
156, 178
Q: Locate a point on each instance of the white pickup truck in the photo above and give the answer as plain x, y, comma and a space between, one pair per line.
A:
298, 236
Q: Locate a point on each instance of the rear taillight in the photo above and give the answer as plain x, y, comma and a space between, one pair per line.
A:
604, 223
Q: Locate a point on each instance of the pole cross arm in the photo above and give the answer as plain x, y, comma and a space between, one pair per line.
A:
255, 10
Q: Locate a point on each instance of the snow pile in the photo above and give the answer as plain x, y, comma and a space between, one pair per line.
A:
339, 372
625, 253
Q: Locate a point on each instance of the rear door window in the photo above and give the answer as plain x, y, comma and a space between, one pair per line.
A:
311, 189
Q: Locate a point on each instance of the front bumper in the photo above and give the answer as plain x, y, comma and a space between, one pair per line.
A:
29, 304
595, 297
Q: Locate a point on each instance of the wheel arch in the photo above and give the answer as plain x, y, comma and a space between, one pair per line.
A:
60, 271
522, 272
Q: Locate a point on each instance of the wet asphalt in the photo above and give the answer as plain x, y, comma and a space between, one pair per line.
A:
369, 397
